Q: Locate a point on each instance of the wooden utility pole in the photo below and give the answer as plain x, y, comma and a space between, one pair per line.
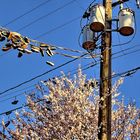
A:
104, 122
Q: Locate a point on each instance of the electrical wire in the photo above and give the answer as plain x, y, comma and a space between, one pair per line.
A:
47, 31
122, 74
89, 65
20, 107
86, 11
46, 15
71, 56
120, 43
28, 12
67, 49
125, 43
79, 5
55, 29
23, 93
85, 67
58, 27
90, 53
58, 47
115, 53
127, 49
42, 74
11, 93
1, 101
128, 73
135, 51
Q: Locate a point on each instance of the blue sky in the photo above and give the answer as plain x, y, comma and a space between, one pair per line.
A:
15, 70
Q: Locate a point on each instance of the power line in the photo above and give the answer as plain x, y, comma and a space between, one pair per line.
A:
79, 5
61, 27
125, 43
45, 32
33, 9
50, 13
67, 55
127, 53
20, 107
3, 96
122, 74
85, 67
97, 62
58, 27
11, 97
78, 57
52, 30
42, 74
128, 73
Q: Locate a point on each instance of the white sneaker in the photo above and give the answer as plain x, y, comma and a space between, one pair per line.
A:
27, 51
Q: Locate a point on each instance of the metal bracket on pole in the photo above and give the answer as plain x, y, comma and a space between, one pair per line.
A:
111, 30
115, 19
119, 2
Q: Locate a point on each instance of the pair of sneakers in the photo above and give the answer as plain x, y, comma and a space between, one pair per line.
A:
37, 50
21, 51
8, 47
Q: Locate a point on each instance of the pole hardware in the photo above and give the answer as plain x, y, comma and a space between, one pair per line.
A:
111, 30
119, 2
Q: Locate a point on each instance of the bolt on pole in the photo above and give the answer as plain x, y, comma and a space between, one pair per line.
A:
104, 121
